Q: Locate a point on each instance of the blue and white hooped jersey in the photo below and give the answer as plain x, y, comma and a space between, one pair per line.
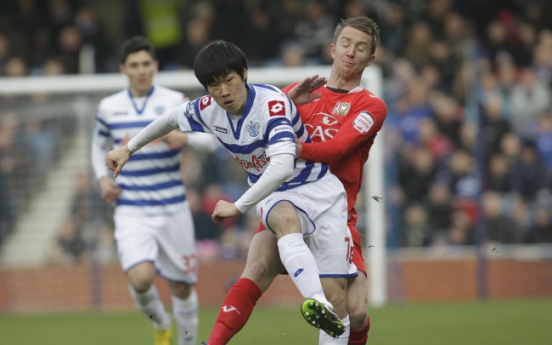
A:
151, 182
267, 127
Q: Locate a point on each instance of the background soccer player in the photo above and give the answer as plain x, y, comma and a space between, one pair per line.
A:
342, 124
153, 223
258, 124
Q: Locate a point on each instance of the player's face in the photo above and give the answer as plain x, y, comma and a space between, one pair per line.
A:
230, 92
139, 67
351, 52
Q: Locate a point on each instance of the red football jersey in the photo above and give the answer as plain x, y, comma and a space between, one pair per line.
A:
346, 124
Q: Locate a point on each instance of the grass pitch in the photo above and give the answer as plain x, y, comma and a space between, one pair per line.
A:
505, 323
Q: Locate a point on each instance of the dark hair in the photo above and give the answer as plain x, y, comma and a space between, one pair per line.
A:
216, 60
363, 24
136, 44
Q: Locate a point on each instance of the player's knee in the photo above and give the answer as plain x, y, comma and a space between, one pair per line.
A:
283, 219
260, 273
358, 315
141, 283
180, 290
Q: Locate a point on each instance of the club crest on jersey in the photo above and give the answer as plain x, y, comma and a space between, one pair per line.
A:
276, 108
204, 102
363, 122
159, 110
253, 129
341, 108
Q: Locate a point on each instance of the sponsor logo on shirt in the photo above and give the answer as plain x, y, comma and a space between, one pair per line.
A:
220, 129
122, 112
363, 122
256, 163
253, 128
341, 108
324, 126
204, 102
276, 108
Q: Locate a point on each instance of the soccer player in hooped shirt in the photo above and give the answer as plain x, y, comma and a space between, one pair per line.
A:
343, 120
153, 223
301, 202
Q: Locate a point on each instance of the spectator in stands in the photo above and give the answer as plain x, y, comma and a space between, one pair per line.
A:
70, 42
439, 208
499, 178
316, 29
417, 230
69, 247
541, 232
530, 98
196, 37
417, 171
493, 125
500, 227
529, 173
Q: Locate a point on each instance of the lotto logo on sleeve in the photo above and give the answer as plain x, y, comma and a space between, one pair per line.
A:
204, 102
276, 108
363, 122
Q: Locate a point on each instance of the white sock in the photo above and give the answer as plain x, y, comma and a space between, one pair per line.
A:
150, 304
185, 313
301, 266
325, 339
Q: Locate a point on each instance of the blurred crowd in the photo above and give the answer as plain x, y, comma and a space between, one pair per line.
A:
468, 86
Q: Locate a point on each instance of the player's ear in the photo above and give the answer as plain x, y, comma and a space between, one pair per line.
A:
122, 68
245, 74
156, 64
370, 60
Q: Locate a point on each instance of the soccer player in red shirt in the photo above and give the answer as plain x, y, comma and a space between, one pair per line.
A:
343, 120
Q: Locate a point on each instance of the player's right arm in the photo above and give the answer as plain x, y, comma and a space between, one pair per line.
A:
109, 190
116, 159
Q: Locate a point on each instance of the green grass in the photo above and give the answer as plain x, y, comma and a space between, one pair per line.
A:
501, 323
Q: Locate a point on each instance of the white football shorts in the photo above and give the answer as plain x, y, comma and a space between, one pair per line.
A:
322, 208
168, 241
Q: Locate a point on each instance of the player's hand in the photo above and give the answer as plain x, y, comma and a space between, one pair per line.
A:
303, 92
108, 189
298, 147
116, 159
176, 139
223, 210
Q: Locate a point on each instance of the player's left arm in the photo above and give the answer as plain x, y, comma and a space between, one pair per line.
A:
356, 131
116, 159
197, 142
277, 171
281, 151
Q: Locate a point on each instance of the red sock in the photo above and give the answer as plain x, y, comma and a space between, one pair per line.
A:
236, 309
359, 337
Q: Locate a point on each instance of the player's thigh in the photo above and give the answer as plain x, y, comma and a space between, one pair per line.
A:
141, 276
263, 260
283, 219
135, 238
357, 300
177, 258
335, 291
